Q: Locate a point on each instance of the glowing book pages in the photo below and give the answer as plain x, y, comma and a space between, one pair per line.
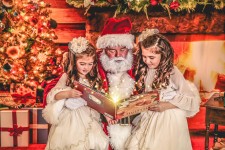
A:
136, 104
127, 107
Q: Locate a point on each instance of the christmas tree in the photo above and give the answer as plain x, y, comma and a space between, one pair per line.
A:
28, 54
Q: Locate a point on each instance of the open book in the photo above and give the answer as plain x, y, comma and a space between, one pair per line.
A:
116, 110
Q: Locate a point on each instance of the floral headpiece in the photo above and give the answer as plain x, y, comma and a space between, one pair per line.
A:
78, 45
147, 33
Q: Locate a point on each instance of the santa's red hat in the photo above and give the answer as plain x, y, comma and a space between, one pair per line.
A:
116, 32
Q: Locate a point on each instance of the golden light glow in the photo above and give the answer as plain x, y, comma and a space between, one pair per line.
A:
115, 98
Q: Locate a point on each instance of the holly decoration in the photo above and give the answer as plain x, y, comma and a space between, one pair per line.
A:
125, 6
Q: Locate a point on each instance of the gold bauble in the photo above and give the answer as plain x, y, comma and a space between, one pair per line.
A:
8, 3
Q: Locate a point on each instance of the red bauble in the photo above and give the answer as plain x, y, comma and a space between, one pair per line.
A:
174, 5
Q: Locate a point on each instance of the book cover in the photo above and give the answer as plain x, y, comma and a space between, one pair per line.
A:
102, 103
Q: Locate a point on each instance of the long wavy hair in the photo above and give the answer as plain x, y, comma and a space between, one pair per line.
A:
160, 45
71, 70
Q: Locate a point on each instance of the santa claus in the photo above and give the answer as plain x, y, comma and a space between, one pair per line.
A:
116, 58
115, 67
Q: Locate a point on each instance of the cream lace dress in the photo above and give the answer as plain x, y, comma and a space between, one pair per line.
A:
167, 130
75, 126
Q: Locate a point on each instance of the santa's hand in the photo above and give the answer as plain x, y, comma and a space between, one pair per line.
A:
111, 121
161, 106
74, 93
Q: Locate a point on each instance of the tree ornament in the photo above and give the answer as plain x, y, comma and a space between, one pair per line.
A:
13, 52
8, 3
54, 71
42, 57
2, 10
52, 24
2, 26
6, 35
33, 20
7, 67
174, 5
15, 13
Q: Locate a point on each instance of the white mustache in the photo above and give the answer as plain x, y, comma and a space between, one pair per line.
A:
117, 59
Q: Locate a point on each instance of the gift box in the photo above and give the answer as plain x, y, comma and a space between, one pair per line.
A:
21, 89
14, 128
7, 100
38, 126
22, 94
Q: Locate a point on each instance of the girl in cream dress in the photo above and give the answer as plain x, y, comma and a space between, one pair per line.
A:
74, 125
164, 125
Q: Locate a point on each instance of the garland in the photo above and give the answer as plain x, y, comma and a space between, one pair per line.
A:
125, 6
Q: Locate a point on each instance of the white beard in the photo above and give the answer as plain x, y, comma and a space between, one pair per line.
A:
121, 85
117, 64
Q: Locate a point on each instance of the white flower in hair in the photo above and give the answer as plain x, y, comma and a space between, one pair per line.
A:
147, 33
78, 45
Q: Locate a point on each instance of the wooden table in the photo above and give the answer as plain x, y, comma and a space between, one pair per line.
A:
215, 114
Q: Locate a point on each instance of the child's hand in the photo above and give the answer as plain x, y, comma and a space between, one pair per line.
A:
161, 106
74, 93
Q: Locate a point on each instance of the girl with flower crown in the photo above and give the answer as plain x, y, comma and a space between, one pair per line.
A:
75, 126
164, 125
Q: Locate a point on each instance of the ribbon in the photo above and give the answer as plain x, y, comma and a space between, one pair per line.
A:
21, 97
15, 130
36, 126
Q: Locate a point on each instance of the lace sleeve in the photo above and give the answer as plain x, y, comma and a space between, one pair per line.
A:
60, 86
187, 97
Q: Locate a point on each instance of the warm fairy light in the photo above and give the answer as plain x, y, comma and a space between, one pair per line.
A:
7, 35
115, 98
42, 4
26, 18
58, 51
20, 69
44, 24
2, 49
13, 72
37, 68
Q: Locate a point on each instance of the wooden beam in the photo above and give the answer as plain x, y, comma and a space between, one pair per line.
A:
65, 35
68, 15
195, 37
